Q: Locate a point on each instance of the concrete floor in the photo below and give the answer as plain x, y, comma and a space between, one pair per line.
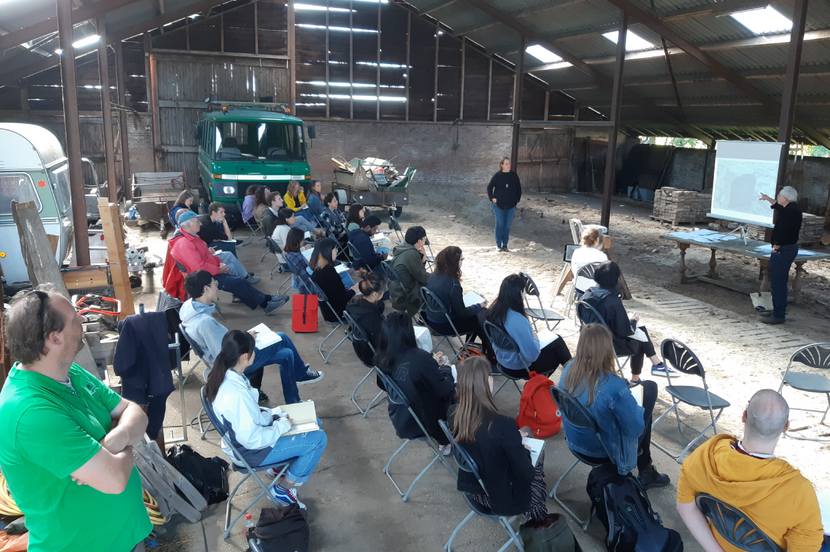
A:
352, 506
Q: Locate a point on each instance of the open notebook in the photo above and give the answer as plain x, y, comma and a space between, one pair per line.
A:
265, 336
637, 391
546, 337
536, 448
472, 298
304, 416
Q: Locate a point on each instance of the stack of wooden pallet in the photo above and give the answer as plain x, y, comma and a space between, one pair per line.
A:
680, 206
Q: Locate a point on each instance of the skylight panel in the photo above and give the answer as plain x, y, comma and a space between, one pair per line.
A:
542, 54
763, 20
633, 42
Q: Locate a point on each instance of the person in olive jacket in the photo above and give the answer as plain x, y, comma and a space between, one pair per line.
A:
505, 192
408, 261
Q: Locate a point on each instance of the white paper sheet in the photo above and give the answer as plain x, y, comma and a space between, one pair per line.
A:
536, 448
265, 336
472, 298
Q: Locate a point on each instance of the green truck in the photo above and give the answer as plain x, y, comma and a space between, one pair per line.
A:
241, 144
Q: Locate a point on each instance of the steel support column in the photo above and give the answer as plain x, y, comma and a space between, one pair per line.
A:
616, 100
106, 110
122, 119
518, 89
292, 55
72, 124
788, 100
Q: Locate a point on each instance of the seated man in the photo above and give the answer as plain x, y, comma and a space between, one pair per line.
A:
361, 238
270, 215
409, 262
215, 231
197, 318
746, 475
193, 254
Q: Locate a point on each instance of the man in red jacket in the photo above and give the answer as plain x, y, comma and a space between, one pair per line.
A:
192, 253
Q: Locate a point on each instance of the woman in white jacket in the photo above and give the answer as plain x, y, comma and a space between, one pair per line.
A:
256, 432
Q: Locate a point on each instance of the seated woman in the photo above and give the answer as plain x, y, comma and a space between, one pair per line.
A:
184, 201
258, 430
508, 312
324, 275
589, 252
296, 201
260, 203
248, 205
294, 258
332, 214
514, 485
428, 387
355, 217
315, 199
605, 297
624, 426
445, 285
367, 310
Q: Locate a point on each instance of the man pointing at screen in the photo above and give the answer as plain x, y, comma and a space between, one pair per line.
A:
784, 250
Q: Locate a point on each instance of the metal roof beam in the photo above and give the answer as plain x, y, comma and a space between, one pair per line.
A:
714, 65
440, 6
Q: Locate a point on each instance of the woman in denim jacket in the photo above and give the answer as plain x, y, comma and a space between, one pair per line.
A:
624, 426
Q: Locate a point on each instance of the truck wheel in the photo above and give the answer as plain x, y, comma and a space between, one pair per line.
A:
398, 210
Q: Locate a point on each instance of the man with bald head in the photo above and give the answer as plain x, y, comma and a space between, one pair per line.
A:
745, 474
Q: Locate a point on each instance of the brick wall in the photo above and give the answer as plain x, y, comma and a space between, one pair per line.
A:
444, 154
140, 135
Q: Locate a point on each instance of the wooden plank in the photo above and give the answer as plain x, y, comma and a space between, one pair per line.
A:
164, 490
86, 277
42, 266
114, 238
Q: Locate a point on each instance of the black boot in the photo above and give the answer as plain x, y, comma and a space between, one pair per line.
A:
650, 478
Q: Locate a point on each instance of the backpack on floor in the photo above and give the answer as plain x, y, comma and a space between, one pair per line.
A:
304, 313
537, 409
622, 505
279, 530
208, 476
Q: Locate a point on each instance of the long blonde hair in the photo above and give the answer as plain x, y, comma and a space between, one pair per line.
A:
592, 238
473, 398
594, 358
293, 188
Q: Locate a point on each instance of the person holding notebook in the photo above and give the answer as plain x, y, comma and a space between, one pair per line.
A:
258, 430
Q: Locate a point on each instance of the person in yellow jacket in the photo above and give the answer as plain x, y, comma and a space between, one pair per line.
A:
296, 201
746, 475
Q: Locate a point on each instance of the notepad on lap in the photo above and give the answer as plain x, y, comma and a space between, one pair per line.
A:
304, 416
546, 337
824, 505
341, 268
639, 335
637, 391
265, 336
536, 448
307, 254
472, 298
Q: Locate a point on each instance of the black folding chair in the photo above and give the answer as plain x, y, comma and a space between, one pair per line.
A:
280, 265
338, 324
357, 334
430, 302
548, 315
253, 228
390, 272
239, 464
196, 349
356, 258
680, 357
734, 526
587, 314
817, 356
466, 463
501, 339
579, 417
396, 227
396, 396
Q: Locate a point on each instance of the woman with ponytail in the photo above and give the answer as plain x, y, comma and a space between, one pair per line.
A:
367, 310
257, 430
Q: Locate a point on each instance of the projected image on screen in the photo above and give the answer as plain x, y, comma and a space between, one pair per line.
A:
744, 171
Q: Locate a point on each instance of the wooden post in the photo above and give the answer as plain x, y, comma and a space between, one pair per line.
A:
616, 100
435, 83
106, 109
24, 98
42, 266
377, 77
788, 101
328, 88
518, 91
408, 68
463, 69
114, 238
351, 60
489, 88
122, 119
256, 29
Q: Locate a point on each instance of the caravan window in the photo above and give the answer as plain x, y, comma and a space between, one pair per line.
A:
18, 187
60, 186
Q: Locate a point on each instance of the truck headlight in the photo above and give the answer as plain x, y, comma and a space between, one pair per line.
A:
229, 190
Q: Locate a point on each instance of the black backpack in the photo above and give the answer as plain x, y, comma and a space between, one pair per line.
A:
209, 477
279, 530
621, 504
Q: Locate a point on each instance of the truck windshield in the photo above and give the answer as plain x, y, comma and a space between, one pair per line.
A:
237, 141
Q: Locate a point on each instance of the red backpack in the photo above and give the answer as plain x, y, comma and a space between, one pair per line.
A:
537, 409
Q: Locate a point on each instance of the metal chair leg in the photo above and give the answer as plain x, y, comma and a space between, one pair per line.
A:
331, 333
354, 393
448, 546
282, 285
584, 523
514, 536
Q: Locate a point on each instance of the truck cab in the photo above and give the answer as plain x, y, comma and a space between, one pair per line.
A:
245, 144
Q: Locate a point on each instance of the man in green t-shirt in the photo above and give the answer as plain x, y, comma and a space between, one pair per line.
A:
66, 444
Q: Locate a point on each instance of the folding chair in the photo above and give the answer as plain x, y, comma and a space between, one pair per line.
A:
390, 273
541, 313
733, 525
500, 338
324, 300
396, 396
356, 334
430, 256
245, 468
466, 463
431, 302
816, 355
681, 358
577, 228
278, 267
585, 271
254, 229
579, 417
356, 258
183, 270
396, 227
196, 349
587, 314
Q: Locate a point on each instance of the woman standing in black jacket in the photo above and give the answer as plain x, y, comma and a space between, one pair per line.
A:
367, 311
445, 285
514, 485
505, 191
324, 275
429, 388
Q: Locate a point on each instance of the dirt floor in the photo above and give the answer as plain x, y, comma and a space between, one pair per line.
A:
352, 505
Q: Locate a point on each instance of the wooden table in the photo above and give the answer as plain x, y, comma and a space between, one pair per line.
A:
747, 250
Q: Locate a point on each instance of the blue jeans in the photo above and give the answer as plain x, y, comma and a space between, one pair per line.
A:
504, 218
235, 267
779, 274
291, 366
307, 448
230, 247
305, 214
304, 224
242, 290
